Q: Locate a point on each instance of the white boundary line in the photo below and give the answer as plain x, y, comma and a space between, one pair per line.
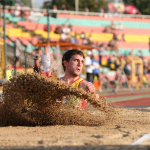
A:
142, 139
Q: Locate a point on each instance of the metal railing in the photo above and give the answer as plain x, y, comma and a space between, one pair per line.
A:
85, 13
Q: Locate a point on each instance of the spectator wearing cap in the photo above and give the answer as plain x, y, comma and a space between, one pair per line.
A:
89, 68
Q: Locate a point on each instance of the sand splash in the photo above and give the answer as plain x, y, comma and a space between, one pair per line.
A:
30, 99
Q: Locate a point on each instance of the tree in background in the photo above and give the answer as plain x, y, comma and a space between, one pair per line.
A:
12, 2
93, 5
142, 5
26, 2
8, 2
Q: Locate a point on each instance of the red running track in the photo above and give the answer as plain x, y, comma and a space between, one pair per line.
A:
125, 94
135, 102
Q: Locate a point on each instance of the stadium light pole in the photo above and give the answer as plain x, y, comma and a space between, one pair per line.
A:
77, 5
33, 3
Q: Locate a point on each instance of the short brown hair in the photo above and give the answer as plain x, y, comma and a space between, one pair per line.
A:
69, 54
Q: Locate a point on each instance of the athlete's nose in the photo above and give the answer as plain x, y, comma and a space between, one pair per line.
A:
79, 63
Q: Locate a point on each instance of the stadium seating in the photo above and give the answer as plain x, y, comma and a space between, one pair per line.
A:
136, 30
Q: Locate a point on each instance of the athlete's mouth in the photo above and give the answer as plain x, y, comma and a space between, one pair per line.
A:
78, 70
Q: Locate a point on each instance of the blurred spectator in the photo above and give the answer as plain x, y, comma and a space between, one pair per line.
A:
115, 36
84, 41
46, 62
139, 76
34, 15
145, 65
89, 68
66, 30
103, 81
58, 30
54, 11
73, 39
63, 37
144, 80
101, 52
128, 72
111, 62
95, 64
112, 26
117, 60
86, 9
17, 10
107, 30
82, 35
112, 46
90, 37
139, 54
64, 7
123, 37
130, 53
22, 14
119, 26
18, 50
101, 10
37, 60
118, 77
148, 67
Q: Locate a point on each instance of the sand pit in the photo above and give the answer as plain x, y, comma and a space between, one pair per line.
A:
134, 124
52, 125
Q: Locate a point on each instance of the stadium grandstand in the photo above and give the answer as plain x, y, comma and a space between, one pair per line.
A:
121, 35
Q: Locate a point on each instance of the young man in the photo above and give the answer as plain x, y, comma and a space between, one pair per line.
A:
72, 63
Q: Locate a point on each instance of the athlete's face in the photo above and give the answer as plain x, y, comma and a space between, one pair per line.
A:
75, 65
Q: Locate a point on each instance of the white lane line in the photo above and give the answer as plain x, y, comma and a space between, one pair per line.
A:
142, 139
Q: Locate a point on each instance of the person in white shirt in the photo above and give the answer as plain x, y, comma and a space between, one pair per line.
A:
17, 10
17, 54
46, 62
89, 68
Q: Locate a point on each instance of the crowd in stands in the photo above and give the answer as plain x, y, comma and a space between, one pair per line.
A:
68, 35
123, 69
94, 59
94, 68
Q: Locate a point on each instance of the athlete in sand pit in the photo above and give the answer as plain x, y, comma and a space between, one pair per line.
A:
72, 62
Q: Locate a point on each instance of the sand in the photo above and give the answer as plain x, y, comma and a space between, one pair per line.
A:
54, 125
134, 124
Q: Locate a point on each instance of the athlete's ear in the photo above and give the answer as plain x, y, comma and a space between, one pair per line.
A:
65, 63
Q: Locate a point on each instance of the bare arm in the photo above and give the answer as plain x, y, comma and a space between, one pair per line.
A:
88, 87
